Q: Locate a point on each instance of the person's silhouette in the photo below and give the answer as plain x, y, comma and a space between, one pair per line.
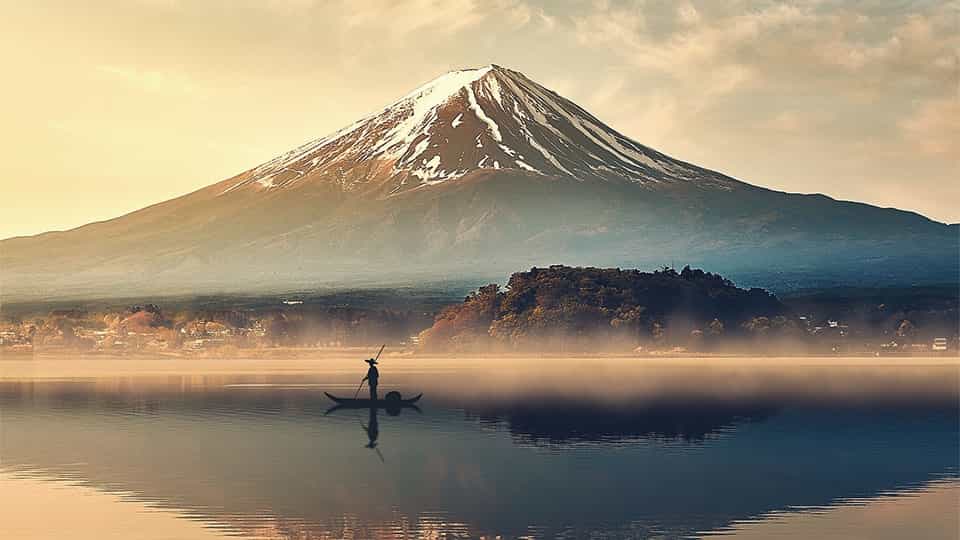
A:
373, 431
372, 377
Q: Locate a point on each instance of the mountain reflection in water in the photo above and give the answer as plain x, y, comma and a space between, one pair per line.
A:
624, 452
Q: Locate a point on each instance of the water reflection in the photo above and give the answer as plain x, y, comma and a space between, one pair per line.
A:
372, 427
263, 455
557, 422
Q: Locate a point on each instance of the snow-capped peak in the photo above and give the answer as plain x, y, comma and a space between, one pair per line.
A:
468, 120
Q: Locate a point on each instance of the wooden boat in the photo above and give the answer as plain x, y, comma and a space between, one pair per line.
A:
379, 403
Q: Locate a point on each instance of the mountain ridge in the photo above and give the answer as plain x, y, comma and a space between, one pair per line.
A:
477, 172
473, 119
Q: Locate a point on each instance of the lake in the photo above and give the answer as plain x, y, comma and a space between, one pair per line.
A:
515, 447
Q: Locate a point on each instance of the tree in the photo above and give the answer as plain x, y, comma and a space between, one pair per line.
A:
715, 328
906, 330
630, 321
757, 326
656, 331
466, 325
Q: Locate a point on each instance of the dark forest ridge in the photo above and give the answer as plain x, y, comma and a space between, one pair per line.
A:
594, 308
472, 175
564, 309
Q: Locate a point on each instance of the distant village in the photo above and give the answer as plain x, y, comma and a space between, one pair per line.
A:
147, 329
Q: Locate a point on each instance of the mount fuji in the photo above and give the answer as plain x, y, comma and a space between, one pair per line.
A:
475, 174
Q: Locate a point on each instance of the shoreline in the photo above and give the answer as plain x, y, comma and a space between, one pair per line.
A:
39, 367
336, 352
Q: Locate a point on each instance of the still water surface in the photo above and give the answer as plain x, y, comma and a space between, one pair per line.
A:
536, 448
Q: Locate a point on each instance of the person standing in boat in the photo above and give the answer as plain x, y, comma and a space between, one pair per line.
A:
372, 378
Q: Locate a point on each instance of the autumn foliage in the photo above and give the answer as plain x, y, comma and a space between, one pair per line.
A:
569, 308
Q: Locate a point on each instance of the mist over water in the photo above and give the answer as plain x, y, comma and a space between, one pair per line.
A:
538, 447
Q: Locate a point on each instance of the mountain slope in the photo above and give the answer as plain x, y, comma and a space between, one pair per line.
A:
489, 118
477, 173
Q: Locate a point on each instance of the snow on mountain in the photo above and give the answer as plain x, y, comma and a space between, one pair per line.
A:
477, 173
468, 120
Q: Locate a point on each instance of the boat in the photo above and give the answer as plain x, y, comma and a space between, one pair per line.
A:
379, 403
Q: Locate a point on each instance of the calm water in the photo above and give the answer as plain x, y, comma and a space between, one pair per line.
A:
550, 449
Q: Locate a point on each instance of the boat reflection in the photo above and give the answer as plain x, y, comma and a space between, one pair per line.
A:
372, 427
392, 407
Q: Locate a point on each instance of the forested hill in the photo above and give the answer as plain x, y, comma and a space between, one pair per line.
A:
564, 307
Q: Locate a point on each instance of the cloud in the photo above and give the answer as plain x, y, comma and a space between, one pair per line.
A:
762, 56
934, 128
798, 38
403, 19
793, 123
548, 22
688, 14
162, 82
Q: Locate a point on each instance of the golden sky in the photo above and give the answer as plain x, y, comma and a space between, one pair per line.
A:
111, 105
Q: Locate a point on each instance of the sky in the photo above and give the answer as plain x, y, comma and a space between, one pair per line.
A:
113, 105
